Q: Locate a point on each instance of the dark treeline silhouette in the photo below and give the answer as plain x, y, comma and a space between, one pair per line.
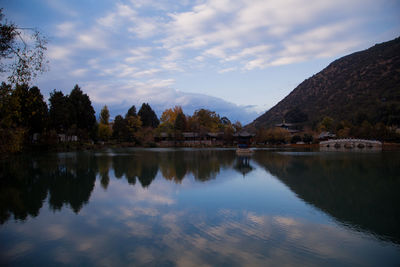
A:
68, 179
72, 114
26, 181
26, 120
359, 190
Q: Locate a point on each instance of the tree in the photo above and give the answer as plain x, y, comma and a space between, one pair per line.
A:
32, 110
22, 52
225, 121
261, 135
104, 132
133, 124
148, 116
307, 138
8, 106
295, 139
104, 115
169, 115
228, 134
296, 116
180, 122
277, 135
59, 112
11, 135
82, 112
326, 124
120, 129
131, 112
207, 120
38, 117
23, 113
237, 126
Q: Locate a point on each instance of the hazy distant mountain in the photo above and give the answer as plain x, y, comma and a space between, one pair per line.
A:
361, 86
190, 102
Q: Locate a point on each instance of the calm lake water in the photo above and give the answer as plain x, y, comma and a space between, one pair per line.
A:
166, 207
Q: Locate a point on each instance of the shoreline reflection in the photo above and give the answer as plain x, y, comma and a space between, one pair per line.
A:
358, 190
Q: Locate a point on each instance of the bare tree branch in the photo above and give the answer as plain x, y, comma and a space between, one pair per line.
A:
23, 60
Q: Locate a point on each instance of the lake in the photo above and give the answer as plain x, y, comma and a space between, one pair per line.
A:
200, 207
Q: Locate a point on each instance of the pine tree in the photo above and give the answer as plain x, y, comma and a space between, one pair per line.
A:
120, 129
104, 115
131, 112
148, 116
82, 111
59, 112
180, 122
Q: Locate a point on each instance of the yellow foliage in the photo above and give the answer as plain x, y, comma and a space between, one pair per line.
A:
169, 115
11, 140
104, 131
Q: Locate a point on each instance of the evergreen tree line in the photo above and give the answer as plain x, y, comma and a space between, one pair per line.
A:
25, 116
26, 119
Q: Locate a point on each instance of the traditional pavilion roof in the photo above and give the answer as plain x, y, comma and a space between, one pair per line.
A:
243, 134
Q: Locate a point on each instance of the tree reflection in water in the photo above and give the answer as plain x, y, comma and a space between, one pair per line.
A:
68, 179
26, 181
358, 189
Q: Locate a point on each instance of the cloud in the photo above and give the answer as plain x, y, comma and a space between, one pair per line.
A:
148, 72
145, 28
138, 54
116, 17
136, 50
160, 96
227, 70
249, 34
62, 8
92, 39
65, 29
55, 52
79, 72
257, 33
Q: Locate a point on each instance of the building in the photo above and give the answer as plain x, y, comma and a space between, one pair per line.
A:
290, 127
243, 139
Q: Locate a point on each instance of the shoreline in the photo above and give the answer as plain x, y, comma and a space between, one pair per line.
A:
78, 146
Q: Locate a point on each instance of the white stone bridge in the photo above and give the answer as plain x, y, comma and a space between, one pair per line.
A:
350, 144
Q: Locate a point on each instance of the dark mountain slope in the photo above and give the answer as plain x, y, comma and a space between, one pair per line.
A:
362, 86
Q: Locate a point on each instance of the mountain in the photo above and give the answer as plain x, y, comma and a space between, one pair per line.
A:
361, 86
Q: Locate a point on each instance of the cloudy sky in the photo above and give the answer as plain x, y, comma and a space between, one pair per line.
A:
238, 58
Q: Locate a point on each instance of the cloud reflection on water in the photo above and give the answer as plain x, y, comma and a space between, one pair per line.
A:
227, 221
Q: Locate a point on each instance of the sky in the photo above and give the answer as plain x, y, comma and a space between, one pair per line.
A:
238, 58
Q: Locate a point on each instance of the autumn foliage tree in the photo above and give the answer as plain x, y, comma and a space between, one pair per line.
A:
128, 129
204, 120
104, 129
169, 116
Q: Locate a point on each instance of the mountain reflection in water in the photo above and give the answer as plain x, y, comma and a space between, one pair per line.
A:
360, 191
